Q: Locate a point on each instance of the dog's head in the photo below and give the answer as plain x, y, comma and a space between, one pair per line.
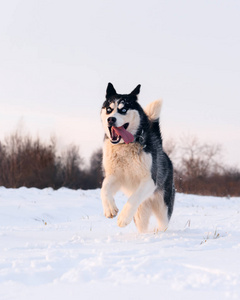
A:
120, 116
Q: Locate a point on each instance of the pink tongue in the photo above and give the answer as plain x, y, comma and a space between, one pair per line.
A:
127, 136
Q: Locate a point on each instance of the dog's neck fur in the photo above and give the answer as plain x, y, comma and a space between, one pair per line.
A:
120, 154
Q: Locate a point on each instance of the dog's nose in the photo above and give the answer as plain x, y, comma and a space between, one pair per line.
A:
111, 121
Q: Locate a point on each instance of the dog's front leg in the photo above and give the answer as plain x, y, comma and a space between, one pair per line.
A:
109, 188
144, 191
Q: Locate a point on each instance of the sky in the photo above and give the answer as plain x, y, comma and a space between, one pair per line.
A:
57, 57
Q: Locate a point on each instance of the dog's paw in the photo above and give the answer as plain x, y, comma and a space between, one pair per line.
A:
124, 218
110, 211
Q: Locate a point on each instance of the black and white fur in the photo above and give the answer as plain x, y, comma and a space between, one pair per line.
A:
142, 170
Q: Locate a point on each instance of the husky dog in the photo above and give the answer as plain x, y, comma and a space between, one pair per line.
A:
134, 161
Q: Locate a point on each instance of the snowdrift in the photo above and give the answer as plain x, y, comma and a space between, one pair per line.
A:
58, 244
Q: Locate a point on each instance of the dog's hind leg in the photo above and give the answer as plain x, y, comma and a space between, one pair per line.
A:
160, 210
142, 216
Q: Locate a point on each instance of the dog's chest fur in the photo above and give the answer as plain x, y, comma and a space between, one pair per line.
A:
129, 163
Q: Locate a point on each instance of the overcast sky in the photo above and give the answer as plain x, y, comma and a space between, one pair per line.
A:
56, 58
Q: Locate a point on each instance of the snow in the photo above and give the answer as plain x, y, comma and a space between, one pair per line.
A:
58, 244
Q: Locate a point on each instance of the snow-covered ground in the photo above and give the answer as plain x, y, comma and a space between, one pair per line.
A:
58, 245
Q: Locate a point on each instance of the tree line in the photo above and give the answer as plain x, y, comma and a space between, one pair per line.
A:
199, 168
31, 163
28, 162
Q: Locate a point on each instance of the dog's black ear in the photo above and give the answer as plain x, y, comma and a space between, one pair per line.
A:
136, 91
110, 90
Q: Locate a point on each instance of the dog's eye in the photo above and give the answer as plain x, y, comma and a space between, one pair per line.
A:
123, 110
109, 110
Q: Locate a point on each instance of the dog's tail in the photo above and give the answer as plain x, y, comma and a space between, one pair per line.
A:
153, 110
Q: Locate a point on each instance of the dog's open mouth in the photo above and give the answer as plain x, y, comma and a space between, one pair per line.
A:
117, 133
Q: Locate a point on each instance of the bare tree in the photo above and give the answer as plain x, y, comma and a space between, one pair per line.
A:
95, 170
199, 160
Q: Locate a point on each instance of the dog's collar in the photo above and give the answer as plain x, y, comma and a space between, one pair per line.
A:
141, 139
